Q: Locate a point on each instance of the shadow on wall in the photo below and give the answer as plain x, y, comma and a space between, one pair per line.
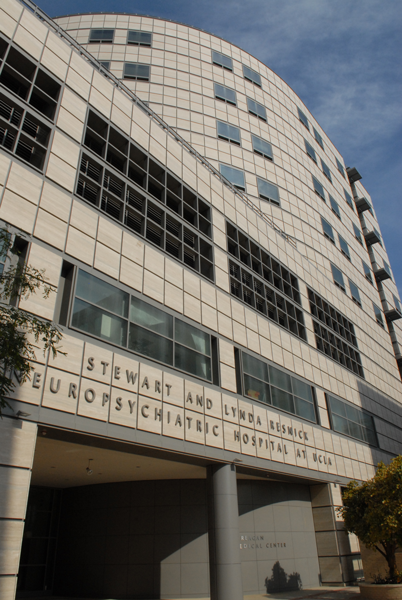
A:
280, 581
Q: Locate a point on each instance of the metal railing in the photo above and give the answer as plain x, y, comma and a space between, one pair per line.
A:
40, 14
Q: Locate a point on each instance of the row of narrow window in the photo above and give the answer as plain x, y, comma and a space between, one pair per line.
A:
115, 316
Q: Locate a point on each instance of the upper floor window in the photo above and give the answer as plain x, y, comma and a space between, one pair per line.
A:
367, 272
354, 290
328, 231
318, 138
136, 71
344, 247
270, 385
251, 75
228, 132
352, 421
268, 191
262, 147
111, 314
235, 176
340, 167
397, 304
387, 268
105, 63
335, 207
222, 60
318, 188
303, 118
358, 234
224, 93
256, 109
101, 36
378, 315
139, 38
310, 151
348, 199
326, 170
338, 277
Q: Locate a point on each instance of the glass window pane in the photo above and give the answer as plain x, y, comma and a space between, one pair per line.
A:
335, 207
136, 71
356, 430
139, 37
280, 379
101, 35
150, 344
310, 150
327, 229
318, 138
228, 132
256, 109
255, 367
268, 190
222, 60
354, 290
305, 409
144, 314
340, 167
192, 337
338, 277
251, 75
303, 118
326, 170
318, 188
192, 362
97, 322
348, 198
344, 246
366, 420
261, 146
233, 175
282, 400
352, 413
337, 406
101, 293
225, 93
253, 388
302, 389
370, 437
340, 424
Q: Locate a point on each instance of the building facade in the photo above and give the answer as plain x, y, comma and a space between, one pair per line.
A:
231, 327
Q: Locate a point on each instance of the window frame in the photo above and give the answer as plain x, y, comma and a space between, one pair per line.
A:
355, 293
348, 198
100, 40
216, 61
228, 138
326, 171
250, 75
318, 138
287, 376
358, 234
333, 413
378, 315
367, 272
340, 167
318, 184
136, 77
303, 118
337, 210
222, 97
275, 198
269, 155
344, 247
256, 113
73, 296
328, 231
337, 276
139, 43
229, 169
310, 151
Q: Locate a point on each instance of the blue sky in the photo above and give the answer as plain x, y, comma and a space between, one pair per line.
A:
342, 58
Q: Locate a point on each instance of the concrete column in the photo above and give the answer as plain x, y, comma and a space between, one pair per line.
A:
223, 531
17, 448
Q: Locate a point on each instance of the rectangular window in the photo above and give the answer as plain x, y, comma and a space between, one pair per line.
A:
334, 334
387, 268
269, 385
358, 234
224, 93
318, 188
328, 231
335, 207
352, 421
139, 38
338, 277
340, 167
105, 63
310, 151
367, 272
256, 109
397, 304
235, 176
262, 147
303, 118
106, 312
268, 191
251, 75
318, 138
326, 171
354, 290
136, 71
344, 247
228, 132
101, 36
378, 315
348, 199
378, 234
222, 61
